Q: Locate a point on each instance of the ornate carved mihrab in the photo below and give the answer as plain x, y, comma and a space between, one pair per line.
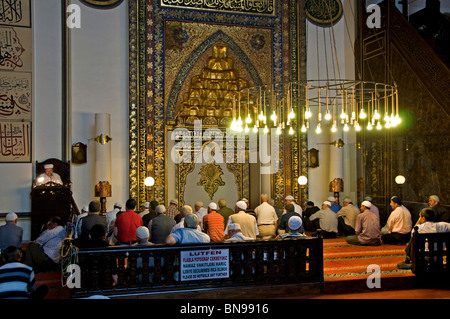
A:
212, 93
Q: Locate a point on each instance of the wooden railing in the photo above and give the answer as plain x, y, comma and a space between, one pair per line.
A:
128, 270
429, 255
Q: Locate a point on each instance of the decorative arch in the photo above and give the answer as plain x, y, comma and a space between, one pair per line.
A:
198, 52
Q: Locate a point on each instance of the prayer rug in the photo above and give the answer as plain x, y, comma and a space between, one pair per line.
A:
343, 261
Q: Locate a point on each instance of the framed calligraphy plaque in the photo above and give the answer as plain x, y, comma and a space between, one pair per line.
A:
15, 13
15, 96
261, 7
324, 13
15, 142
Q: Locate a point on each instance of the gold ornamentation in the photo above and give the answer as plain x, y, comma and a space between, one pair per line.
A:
211, 178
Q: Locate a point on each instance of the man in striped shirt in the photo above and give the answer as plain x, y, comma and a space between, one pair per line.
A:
17, 279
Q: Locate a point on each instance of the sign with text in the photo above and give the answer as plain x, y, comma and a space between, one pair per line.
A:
204, 264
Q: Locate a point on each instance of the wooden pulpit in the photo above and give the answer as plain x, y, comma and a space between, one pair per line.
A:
51, 199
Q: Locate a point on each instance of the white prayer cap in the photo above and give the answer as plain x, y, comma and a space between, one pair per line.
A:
198, 203
213, 206
160, 209
174, 201
368, 198
11, 217
366, 203
142, 232
234, 226
435, 198
295, 222
48, 166
327, 203
289, 197
117, 204
347, 199
85, 209
332, 199
146, 204
241, 205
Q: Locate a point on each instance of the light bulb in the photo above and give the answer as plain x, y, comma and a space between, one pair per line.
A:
346, 127
233, 124
266, 130
376, 115
303, 128
357, 127
328, 115
291, 115
343, 115
255, 129
308, 113
369, 126
261, 116
334, 128
273, 117
249, 119
246, 129
291, 131
363, 114
278, 130
318, 129
379, 127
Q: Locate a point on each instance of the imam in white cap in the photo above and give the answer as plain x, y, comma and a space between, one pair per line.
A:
213, 206
48, 166
295, 222
366, 203
327, 203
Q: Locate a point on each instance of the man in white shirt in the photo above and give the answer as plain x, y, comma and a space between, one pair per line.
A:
290, 200
326, 220
425, 224
200, 211
266, 217
399, 224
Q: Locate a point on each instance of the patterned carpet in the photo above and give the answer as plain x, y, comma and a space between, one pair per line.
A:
346, 262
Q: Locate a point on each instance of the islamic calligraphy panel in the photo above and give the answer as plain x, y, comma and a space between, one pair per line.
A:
15, 13
15, 49
15, 95
15, 141
261, 7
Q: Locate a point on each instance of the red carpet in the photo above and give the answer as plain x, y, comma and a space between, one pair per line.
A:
345, 262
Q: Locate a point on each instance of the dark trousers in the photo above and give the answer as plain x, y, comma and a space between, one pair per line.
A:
36, 258
325, 234
344, 228
395, 238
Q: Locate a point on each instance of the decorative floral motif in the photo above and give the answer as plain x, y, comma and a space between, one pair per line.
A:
257, 42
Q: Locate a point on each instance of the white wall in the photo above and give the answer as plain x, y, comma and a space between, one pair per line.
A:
99, 84
99, 69
320, 53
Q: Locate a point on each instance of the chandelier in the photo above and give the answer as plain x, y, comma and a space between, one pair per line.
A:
345, 104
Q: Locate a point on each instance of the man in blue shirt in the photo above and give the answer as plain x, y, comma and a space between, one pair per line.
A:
189, 234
